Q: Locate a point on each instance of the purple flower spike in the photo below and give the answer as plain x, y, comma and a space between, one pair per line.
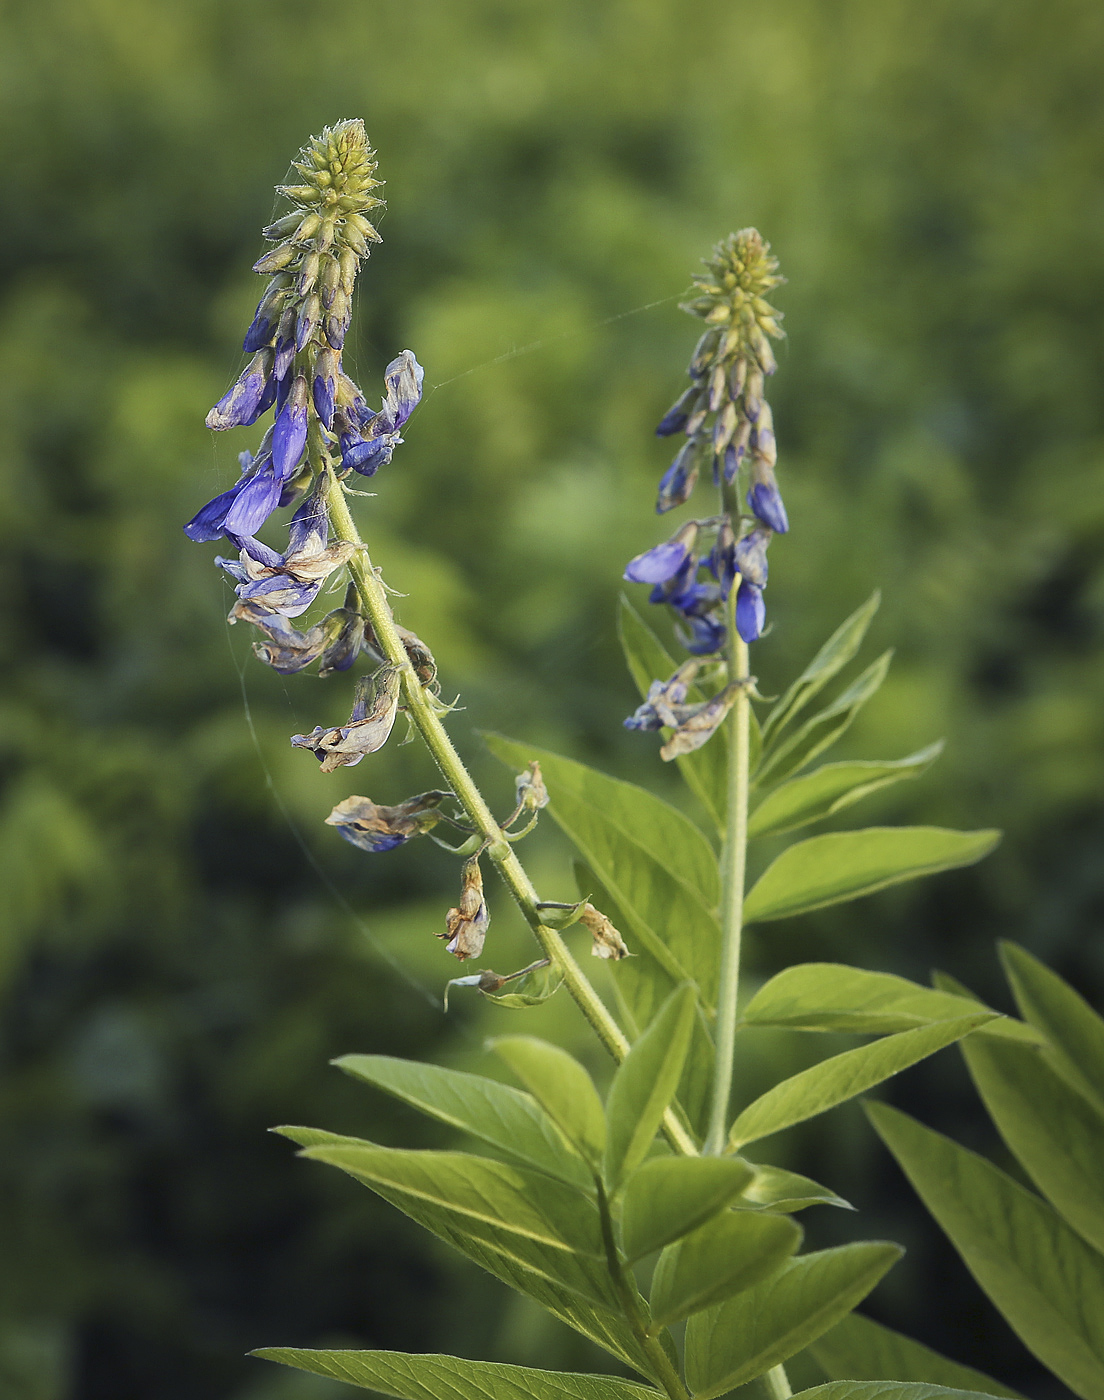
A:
253, 504
765, 501
289, 437
677, 481
663, 562
751, 612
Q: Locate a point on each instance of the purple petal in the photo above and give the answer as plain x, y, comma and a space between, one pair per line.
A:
658, 564
403, 378
207, 524
255, 502
289, 439
751, 612
323, 390
707, 635
765, 501
258, 335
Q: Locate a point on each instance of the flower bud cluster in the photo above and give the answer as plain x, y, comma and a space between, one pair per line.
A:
725, 418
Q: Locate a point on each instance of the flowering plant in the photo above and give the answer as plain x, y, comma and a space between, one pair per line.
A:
640, 1219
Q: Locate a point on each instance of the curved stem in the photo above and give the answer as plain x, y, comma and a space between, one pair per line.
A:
733, 863
424, 715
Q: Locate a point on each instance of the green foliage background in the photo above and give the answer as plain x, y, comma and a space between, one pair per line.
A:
183, 944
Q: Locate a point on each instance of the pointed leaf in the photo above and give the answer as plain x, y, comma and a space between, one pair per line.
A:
1056, 1134
561, 1086
1073, 1029
821, 732
836, 652
434, 1377
776, 1189
531, 990
848, 864
509, 1120
833, 997
831, 789
860, 1349
732, 1252
704, 770
645, 1084
657, 865
1047, 1282
887, 1390
844, 1076
667, 1197
729, 1345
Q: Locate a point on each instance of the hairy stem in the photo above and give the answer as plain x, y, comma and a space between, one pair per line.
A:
733, 863
419, 705
777, 1383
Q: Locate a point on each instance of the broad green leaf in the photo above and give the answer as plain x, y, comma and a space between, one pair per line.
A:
729, 1345
1073, 1029
863, 1350
836, 652
823, 729
645, 1084
833, 997
531, 990
734, 1251
776, 1189
703, 770
848, 864
1043, 1277
842, 1077
528, 1219
830, 789
434, 1377
654, 861
561, 1086
887, 1390
1056, 1134
667, 1197
509, 1120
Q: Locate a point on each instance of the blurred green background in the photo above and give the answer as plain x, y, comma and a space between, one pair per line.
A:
183, 944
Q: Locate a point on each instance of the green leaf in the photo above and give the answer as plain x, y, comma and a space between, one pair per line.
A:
655, 862
863, 1350
645, 1084
1045, 1280
1073, 1029
704, 770
833, 997
434, 1377
531, 990
821, 732
1056, 1134
833, 656
848, 864
776, 1189
887, 1390
667, 1197
561, 1086
842, 1077
832, 788
729, 1345
509, 1120
733, 1252
484, 1208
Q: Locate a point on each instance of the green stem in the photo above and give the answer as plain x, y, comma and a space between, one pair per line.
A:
664, 1369
422, 712
777, 1383
733, 863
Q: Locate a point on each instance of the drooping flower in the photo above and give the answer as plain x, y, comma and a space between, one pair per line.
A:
663, 561
370, 724
334, 642
374, 828
466, 924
